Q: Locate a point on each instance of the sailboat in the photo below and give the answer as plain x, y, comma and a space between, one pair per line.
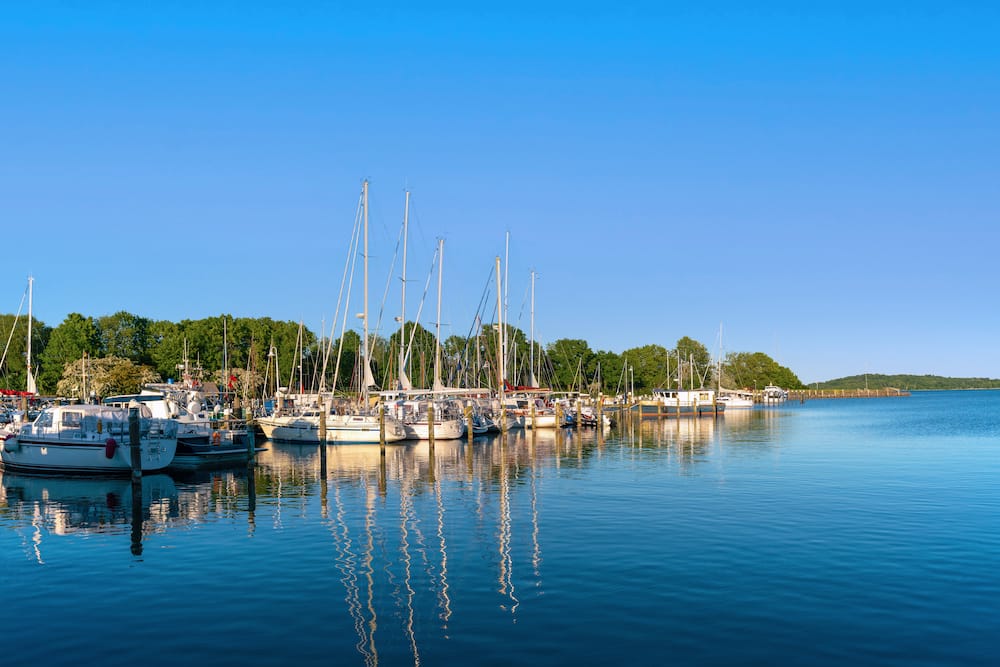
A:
412, 406
317, 422
528, 404
12, 417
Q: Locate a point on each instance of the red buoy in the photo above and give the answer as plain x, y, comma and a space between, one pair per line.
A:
109, 448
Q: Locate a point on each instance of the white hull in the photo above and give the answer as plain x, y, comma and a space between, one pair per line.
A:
87, 439
29, 453
541, 421
359, 429
733, 403
449, 429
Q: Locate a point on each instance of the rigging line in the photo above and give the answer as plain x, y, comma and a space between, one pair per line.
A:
353, 258
420, 308
340, 296
385, 296
13, 326
469, 337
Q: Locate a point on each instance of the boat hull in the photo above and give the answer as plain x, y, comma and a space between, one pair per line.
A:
40, 455
449, 429
342, 429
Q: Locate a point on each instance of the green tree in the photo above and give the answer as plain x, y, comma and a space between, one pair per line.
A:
420, 344
126, 335
696, 363
106, 376
647, 366
13, 373
605, 371
68, 342
569, 358
755, 370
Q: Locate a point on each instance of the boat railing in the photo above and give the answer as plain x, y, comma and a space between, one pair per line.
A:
96, 429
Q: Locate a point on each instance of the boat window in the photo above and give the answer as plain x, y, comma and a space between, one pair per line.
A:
44, 420
72, 419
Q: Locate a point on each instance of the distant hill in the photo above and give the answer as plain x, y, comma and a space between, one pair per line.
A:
910, 382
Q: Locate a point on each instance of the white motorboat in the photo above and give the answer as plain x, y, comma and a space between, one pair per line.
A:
773, 394
736, 400
87, 439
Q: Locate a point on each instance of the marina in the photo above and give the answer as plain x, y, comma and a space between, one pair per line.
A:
821, 533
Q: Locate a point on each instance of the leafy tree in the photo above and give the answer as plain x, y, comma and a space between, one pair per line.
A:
106, 376
755, 370
690, 351
14, 329
569, 357
607, 368
126, 335
647, 367
421, 344
69, 341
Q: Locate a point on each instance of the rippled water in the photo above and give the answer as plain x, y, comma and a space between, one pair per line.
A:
829, 533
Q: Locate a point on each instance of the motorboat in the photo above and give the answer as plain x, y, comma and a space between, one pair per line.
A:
736, 400
87, 438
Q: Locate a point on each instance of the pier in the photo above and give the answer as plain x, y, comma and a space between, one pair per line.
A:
806, 394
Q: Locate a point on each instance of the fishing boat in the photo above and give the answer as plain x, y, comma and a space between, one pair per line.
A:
680, 403
88, 439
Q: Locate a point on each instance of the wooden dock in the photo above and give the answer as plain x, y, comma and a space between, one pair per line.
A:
807, 394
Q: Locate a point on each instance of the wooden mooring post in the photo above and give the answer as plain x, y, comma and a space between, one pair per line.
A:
134, 438
430, 427
381, 430
323, 412
468, 423
251, 445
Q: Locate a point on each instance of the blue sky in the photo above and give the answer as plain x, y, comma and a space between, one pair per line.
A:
818, 179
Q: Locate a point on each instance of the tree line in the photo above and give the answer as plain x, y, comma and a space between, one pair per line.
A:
120, 352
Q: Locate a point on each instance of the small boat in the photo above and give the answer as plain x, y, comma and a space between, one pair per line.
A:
87, 439
736, 400
773, 394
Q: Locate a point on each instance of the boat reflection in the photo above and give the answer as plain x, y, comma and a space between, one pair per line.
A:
390, 519
61, 506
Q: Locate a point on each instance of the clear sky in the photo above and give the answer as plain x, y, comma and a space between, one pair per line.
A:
818, 179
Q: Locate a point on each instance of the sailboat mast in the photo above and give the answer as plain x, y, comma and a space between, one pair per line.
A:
29, 379
531, 348
506, 294
437, 332
500, 336
365, 372
402, 306
225, 357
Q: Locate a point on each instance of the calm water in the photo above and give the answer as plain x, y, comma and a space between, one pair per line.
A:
830, 533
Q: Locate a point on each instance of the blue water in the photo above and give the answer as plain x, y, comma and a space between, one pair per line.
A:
829, 533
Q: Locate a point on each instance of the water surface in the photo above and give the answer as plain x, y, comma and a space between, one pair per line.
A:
832, 532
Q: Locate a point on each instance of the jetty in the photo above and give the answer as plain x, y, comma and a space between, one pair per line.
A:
807, 394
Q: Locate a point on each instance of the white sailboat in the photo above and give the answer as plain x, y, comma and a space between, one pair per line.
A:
318, 423
411, 406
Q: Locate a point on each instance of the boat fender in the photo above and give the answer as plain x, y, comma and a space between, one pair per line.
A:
216, 438
110, 445
9, 442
